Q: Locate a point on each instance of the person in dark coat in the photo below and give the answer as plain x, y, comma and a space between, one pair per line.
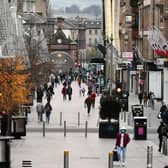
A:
140, 97
161, 132
39, 94
69, 92
88, 103
48, 110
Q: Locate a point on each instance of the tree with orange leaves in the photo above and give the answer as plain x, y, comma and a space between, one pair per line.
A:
14, 88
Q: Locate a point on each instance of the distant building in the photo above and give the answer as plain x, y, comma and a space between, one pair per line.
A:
62, 49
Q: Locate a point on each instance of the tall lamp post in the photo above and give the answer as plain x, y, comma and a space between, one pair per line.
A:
111, 62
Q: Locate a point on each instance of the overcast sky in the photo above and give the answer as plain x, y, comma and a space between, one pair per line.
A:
80, 3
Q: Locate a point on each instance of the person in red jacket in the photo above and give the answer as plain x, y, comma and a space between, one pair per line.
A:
93, 96
122, 141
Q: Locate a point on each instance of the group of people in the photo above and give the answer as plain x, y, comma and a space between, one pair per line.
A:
67, 90
146, 99
48, 91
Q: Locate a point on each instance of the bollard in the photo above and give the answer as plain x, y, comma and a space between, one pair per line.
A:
86, 128
124, 116
78, 119
60, 118
149, 119
164, 145
129, 119
110, 160
43, 128
121, 114
66, 159
149, 156
64, 128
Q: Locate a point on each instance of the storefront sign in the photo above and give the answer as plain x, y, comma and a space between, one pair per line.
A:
140, 67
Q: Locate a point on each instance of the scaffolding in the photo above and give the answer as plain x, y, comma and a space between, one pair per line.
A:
11, 32
7, 29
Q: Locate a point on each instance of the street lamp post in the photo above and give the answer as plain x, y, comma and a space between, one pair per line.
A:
111, 64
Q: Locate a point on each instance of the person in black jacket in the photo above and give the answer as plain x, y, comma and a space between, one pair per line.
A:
69, 91
48, 110
162, 131
39, 94
88, 103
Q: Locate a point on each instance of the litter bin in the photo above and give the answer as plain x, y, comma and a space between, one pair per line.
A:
137, 110
19, 126
108, 129
140, 128
5, 151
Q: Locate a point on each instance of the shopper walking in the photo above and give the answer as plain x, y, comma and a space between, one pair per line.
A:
93, 96
140, 97
69, 92
40, 111
88, 103
39, 94
48, 110
145, 99
64, 92
162, 131
151, 102
122, 141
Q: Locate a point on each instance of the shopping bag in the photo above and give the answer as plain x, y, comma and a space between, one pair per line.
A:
115, 155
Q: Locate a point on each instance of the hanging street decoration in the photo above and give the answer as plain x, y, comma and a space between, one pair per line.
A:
158, 42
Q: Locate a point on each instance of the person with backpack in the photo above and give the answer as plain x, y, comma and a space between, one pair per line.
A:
48, 110
162, 131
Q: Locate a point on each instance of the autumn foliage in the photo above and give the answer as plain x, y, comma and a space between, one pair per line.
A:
14, 85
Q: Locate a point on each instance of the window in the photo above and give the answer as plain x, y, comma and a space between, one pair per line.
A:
96, 32
90, 41
90, 31
95, 41
166, 9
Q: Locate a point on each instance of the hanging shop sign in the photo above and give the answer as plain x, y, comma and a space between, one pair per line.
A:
158, 42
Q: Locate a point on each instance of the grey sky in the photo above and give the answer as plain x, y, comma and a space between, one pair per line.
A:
80, 3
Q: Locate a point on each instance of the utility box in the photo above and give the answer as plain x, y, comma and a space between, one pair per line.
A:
108, 129
19, 126
140, 128
5, 151
137, 110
